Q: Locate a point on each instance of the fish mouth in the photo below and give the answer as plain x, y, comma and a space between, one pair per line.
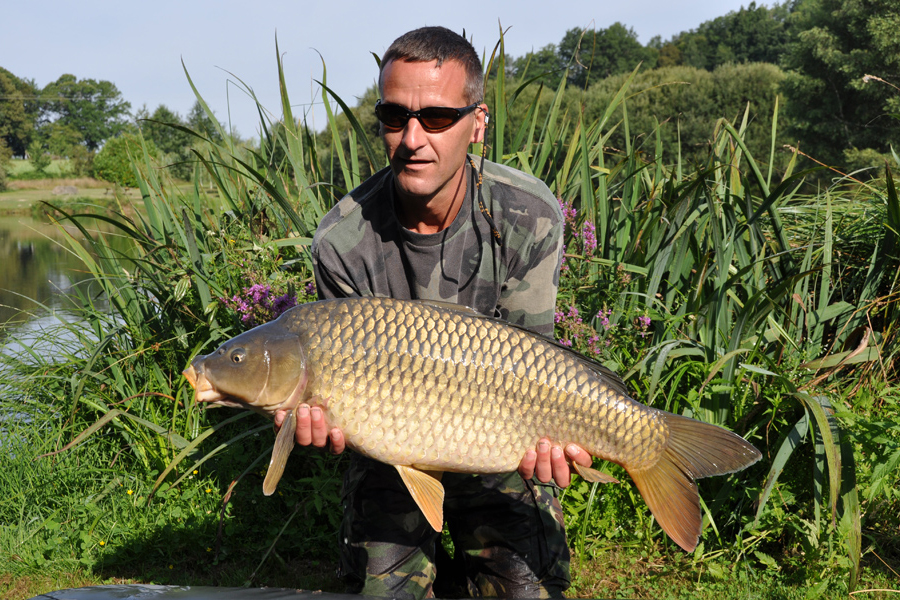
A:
203, 389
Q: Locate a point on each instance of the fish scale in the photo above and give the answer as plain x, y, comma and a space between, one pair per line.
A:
431, 387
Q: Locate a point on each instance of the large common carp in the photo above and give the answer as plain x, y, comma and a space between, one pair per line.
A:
430, 387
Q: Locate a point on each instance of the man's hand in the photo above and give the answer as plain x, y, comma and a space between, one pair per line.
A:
312, 428
552, 463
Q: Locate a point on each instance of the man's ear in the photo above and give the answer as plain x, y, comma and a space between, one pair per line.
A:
482, 116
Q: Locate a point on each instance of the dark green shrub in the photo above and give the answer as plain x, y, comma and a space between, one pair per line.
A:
113, 162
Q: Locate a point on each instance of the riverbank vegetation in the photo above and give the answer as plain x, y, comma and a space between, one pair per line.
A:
734, 280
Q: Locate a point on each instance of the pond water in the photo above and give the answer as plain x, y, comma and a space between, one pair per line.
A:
37, 265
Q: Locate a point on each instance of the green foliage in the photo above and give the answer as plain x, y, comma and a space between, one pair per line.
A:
95, 109
18, 111
40, 160
168, 132
5, 156
593, 55
114, 163
752, 34
81, 161
60, 139
834, 104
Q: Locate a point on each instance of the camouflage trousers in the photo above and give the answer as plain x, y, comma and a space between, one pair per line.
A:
508, 535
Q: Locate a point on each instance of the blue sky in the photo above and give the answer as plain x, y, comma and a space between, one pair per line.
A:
140, 46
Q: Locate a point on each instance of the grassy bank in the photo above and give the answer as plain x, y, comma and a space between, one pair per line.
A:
723, 290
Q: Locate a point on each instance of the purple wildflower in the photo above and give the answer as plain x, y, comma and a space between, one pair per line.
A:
282, 303
643, 322
604, 315
589, 237
568, 211
573, 314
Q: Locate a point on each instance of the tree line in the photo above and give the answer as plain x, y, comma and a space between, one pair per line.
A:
74, 118
833, 66
829, 70
839, 63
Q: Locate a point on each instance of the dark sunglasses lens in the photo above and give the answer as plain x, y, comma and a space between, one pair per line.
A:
438, 118
392, 115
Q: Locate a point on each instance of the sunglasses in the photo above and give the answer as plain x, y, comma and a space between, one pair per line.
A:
433, 118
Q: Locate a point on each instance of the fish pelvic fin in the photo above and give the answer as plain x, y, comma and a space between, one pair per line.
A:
284, 444
593, 475
695, 449
427, 491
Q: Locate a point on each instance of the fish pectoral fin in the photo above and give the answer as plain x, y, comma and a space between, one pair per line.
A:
427, 491
593, 475
284, 444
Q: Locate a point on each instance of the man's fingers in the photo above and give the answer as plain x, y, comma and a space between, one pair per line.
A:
559, 467
576, 454
319, 427
542, 468
304, 428
526, 467
337, 441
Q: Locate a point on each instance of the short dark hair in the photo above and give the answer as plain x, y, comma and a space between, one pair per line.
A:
427, 44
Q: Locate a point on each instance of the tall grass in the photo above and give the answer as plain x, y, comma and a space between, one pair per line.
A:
717, 290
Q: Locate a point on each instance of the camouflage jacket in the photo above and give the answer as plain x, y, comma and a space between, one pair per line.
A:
361, 249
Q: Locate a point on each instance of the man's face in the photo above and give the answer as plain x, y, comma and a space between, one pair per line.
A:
426, 165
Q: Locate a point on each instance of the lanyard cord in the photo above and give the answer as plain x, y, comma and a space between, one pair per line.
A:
479, 181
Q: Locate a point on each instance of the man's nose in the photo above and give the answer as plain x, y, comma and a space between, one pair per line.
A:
413, 134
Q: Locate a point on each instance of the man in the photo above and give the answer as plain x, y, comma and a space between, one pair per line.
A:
439, 224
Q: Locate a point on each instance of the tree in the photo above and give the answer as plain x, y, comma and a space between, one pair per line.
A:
686, 102
93, 108
835, 107
162, 128
40, 160
114, 162
59, 139
5, 155
159, 128
545, 61
595, 55
752, 34
200, 122
18, 111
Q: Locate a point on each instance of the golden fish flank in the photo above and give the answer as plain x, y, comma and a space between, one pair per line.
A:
428, 387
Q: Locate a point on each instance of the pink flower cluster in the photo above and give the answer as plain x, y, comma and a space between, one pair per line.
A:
588, 232
258, 304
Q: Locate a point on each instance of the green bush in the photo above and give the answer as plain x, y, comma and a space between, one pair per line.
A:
82, 161
114, 162
5, 156
40, 160
687, 101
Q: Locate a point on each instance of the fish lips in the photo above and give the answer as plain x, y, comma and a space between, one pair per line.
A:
203, 388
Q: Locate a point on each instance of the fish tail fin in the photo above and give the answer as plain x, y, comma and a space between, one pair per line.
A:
695, 449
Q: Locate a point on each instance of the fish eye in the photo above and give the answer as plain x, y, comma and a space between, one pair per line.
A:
238, 356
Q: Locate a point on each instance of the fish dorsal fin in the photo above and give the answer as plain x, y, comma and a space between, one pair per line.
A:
427, 491
284, 443
593, 475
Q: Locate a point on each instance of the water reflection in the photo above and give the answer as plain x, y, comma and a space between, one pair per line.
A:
36, 263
